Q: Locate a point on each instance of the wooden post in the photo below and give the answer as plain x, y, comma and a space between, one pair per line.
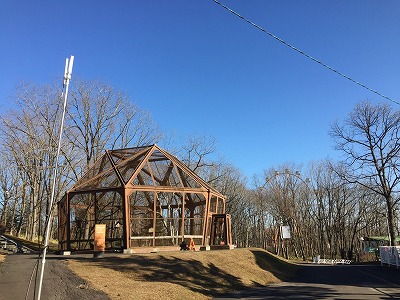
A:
154, 217
127, 219
183, 215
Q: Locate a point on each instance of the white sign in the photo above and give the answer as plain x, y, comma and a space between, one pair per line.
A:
285, 232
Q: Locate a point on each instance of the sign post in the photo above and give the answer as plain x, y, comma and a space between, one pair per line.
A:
99, 240
285, 232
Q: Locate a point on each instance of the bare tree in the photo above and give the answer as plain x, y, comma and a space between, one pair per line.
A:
99, 117
102, 117
370, 141
326, 214
29, 138
200, 155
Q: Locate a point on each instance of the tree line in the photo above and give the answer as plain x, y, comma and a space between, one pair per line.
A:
328, 206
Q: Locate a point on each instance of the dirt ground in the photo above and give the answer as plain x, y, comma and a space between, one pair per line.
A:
230, 274
166, 275
180, 275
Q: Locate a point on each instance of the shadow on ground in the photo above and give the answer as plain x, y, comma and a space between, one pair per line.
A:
207, 278
280, 268
313, 281
213, 277
284, 292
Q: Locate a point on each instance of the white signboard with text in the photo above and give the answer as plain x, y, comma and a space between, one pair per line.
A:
285, 232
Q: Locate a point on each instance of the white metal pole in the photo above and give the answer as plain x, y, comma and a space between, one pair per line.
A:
67, 78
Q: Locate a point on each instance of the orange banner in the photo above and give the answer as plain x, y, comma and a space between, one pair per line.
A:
99, 237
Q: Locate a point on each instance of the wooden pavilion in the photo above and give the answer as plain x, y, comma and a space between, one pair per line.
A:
146, 197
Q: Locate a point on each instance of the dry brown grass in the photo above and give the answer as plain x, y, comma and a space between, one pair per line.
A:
2, 258
181, 275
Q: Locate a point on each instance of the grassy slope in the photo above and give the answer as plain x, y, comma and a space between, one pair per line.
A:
53, 246
178, 275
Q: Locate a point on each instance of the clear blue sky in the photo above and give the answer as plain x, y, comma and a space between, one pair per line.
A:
201, 70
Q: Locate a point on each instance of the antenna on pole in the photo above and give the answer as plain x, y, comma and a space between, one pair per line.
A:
65, 70
67, 77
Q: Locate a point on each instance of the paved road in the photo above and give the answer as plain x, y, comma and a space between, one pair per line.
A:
332, 282
59, 283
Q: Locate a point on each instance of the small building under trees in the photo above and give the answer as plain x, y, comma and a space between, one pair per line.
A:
147, 198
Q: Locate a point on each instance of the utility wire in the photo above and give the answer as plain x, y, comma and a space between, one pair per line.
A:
305, 54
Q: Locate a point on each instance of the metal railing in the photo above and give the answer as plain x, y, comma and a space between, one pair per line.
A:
327, 261
389, 255
13, 246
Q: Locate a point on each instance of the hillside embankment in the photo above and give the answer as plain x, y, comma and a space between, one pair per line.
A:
172, 274
181, 275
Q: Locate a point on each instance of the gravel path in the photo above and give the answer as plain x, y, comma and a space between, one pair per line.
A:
59, 283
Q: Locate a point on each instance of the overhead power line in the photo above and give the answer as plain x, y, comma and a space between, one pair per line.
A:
305, 54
